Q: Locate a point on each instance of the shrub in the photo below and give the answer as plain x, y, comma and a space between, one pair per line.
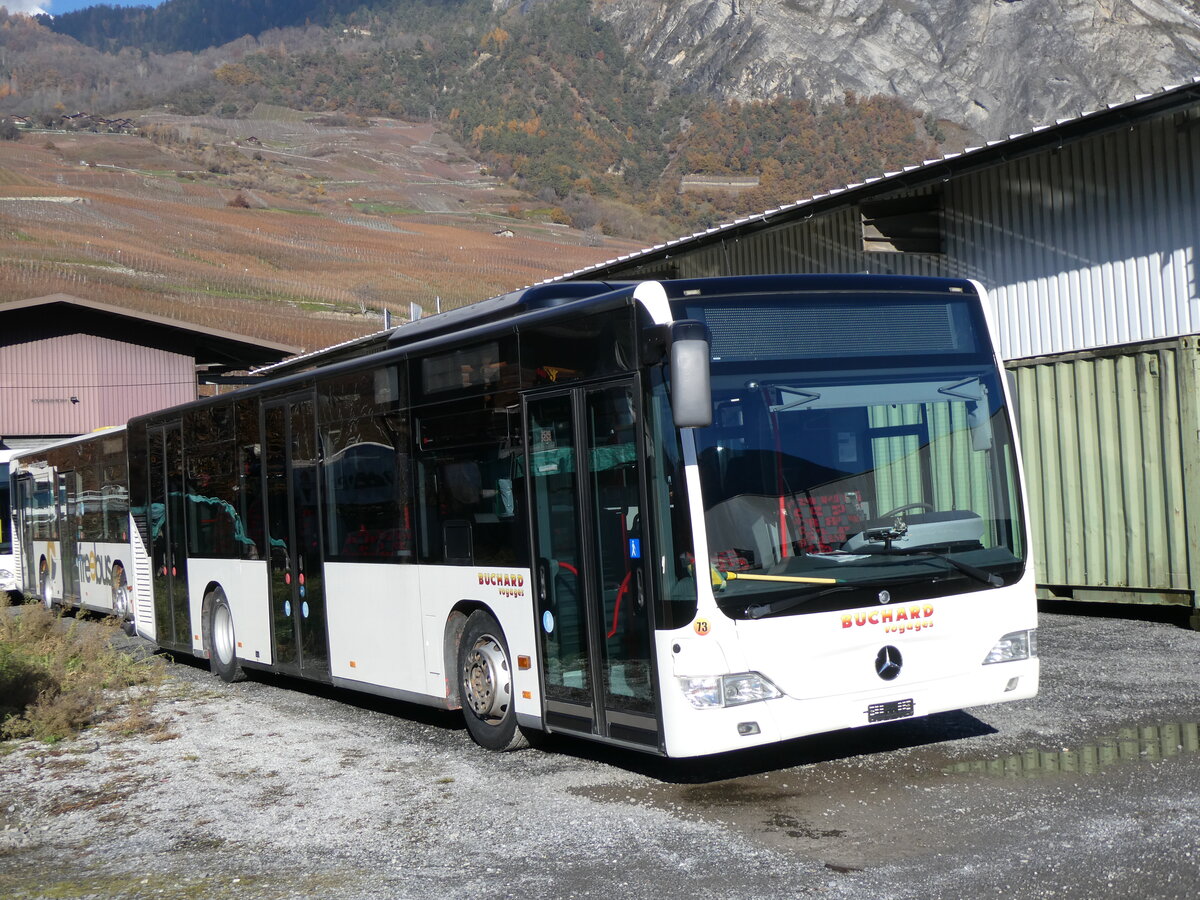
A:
59, 676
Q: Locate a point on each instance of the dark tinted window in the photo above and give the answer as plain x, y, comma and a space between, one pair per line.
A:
576, 348
365, 467
468, 460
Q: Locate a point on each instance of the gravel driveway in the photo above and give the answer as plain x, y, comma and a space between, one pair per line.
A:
271, 789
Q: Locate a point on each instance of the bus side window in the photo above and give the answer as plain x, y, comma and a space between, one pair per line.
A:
467, 465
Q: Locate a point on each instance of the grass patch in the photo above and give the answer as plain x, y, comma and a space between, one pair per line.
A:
380, 208
59, 676
294, 212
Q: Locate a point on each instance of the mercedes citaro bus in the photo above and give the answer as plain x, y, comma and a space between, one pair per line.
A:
684, 517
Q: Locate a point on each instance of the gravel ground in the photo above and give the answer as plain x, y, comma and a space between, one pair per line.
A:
272, 789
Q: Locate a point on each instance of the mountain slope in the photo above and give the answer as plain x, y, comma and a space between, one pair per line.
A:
189, 25
997, 67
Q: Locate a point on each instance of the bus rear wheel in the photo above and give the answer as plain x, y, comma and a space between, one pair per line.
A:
122, 608
222, 657
45, 588
485, 679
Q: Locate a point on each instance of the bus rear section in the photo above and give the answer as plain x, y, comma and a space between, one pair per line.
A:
10, 581
72, 526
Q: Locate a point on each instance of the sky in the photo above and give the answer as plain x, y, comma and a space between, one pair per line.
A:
58, 7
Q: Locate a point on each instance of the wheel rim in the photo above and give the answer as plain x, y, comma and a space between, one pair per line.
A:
223, 634
120, 596
487, 682
121, 603
47, 596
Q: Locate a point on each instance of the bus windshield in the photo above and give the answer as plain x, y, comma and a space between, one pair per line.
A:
881, 470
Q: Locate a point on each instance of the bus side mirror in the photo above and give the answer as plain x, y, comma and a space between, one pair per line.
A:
691, 391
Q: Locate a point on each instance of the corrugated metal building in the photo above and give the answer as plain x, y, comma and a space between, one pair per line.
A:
69, 365
1083, 231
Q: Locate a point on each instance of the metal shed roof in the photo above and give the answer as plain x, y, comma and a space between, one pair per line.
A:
1040, 139
58, 314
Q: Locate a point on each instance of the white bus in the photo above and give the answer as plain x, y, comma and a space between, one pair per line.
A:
9, 582
72, 529
683, 517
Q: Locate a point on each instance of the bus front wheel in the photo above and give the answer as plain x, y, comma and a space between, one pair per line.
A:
485, 679
222, 657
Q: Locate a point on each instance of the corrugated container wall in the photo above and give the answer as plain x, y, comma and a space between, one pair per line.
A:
1087, 246
75, 383
1111, 447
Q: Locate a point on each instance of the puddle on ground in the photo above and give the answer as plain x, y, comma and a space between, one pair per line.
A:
1146, 743
846, 818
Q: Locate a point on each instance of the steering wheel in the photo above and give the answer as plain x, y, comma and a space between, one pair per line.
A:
906, 507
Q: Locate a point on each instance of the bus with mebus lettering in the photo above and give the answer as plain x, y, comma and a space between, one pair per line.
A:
684, 517
71, 528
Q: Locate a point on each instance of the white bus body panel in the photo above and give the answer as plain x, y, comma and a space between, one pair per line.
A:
824, 663
509, 595
372, 611
246, 586
95, 560
50, 551
374, 638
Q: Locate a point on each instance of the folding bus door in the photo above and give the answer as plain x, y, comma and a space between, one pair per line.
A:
587, 500
291, 473
23, 491
168, 547
68, 500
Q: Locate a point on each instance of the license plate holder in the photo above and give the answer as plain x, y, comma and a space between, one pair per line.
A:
887, 712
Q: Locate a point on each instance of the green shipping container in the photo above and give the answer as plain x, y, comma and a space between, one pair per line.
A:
1111, 448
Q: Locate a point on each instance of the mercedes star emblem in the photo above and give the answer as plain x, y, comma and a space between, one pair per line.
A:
888, 663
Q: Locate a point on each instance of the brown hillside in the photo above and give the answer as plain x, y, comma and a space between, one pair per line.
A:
274, 227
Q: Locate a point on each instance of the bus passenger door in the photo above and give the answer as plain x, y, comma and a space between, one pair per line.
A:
291, 470
587, 502
168, 550
23, 506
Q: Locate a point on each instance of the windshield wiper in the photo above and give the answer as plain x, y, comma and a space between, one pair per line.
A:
762, 610
966, 568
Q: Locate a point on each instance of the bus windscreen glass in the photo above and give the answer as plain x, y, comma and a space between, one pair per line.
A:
854, 457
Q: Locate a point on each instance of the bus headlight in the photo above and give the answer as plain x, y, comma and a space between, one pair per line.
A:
713, 691
1013, 646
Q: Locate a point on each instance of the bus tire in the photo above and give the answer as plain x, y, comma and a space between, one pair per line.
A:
122, 608
485, 680
222, 656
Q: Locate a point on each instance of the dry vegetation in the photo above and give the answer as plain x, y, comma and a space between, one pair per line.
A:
59, 676
340, 223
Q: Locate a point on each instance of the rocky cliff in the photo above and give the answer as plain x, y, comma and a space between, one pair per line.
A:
996, 66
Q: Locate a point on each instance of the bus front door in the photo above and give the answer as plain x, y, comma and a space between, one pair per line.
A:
587, 499
168, 550
294, 537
